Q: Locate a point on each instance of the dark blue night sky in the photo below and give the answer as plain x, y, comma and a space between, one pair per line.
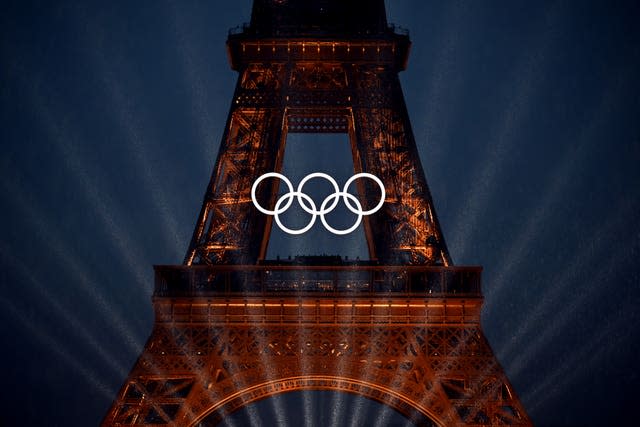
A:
527, 118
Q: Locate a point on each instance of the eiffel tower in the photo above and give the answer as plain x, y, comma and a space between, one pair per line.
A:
232, 327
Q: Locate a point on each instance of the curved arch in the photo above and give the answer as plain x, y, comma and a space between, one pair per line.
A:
414, 411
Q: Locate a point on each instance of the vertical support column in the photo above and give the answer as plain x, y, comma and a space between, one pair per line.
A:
407, 229
229, 230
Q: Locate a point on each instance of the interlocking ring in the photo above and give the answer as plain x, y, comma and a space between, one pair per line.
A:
308, 205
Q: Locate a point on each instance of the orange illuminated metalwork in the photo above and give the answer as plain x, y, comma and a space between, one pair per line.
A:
402, 328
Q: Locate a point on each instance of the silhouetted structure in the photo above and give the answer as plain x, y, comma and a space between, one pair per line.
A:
402, 328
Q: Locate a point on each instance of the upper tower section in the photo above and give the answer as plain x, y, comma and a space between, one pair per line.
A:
318, 66
318, 18
354, 31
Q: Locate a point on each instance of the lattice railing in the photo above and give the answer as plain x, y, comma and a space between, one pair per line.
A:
425, 281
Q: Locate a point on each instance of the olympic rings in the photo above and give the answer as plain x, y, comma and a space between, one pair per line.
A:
308, 205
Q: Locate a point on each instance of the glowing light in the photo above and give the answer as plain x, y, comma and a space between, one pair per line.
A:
337, 409
268, 366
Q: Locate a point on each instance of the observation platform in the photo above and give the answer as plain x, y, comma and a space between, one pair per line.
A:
338, 295
391, 49
335, 280
335, 31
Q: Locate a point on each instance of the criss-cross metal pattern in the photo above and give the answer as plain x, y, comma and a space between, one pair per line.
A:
232, 328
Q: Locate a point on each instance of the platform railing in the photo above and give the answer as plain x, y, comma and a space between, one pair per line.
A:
246, 29
424, 281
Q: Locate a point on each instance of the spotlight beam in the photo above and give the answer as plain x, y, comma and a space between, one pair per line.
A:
568, 314
103, 208
76, 325
193, 81
134, 130
554, 298
70, 263
517, 110
586, 358
276, 404
439, 114
565, 169
49, 343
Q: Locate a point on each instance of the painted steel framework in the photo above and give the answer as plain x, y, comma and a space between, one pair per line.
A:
232, 328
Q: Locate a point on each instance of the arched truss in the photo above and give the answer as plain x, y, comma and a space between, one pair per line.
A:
412, 410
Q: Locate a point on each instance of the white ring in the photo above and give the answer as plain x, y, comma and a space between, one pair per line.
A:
382, 192
262, 178
354, 226
318, 175
302, 230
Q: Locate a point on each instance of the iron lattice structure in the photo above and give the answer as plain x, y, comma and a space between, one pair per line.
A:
232, 328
